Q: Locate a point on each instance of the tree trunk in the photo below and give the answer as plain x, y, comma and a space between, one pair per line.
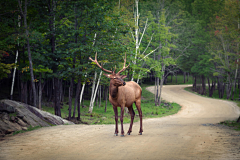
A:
61, 91
30, 94
50, 90
70, 99
24, 95
156, 98
195, 84
40, 91
184, 75
57, 106
91, 107
77, 96
223, 89
161, 84
203, 85
176, 78
64, 90
97, 96
93, 89
81, 100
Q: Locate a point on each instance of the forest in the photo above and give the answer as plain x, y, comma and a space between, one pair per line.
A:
45, 47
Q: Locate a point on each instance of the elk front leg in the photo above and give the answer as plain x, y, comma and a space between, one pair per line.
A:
121, 119
116, 119
131, 111
138, 105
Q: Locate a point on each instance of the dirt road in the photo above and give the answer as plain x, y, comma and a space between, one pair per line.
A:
190, 134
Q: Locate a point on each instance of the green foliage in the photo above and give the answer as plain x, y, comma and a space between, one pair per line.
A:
225, 39
5, 68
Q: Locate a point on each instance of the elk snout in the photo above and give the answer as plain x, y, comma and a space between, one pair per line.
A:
124, 83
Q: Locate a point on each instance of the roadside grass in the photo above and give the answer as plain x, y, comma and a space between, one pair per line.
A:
215, 94
232, 124
29, 129
99, 116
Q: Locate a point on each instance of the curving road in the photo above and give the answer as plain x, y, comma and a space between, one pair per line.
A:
190, 134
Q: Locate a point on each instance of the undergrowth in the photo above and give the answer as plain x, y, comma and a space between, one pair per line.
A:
99, 116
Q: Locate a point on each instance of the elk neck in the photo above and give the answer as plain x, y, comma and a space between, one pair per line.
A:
113, 90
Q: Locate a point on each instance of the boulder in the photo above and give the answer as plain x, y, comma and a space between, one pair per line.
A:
15, 116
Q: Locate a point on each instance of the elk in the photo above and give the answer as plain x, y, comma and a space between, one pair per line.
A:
123, 94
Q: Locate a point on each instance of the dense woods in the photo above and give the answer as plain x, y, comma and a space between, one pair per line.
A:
45, 46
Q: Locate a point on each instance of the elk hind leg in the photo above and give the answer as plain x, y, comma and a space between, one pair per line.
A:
116, 120
131, 111
138, 105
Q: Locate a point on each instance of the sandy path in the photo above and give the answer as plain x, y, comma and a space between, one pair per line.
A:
190, 134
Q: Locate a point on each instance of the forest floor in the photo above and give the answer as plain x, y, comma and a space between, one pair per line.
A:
192, 133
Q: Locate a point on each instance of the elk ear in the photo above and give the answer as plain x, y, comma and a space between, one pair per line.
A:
107, 75
123, 76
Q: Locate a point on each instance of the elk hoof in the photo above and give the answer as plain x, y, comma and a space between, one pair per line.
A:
122, 135
128, 133
140, 133
116, 134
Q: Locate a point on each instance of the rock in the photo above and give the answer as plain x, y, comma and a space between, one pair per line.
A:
4, 116
21, 123
24, 128
9, 131
19, 113
6, 108
26, 115
12, 118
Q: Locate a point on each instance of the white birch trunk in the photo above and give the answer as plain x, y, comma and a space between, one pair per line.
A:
14, 72
93, 88
80, 100
136, 17
161, 85
235, 77
94, 96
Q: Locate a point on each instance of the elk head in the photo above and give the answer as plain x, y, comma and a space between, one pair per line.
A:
116, 78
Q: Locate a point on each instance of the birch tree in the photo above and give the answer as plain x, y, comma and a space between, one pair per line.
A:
137, 38
24, 15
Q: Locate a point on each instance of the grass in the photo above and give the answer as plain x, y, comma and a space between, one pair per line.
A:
99, 116
29, 129
232, 124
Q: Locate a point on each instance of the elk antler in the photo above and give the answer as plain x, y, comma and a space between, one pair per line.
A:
124, 68
99, 64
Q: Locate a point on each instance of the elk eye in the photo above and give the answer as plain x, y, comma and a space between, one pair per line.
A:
114, 77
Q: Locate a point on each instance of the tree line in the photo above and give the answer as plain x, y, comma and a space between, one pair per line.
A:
45, 46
